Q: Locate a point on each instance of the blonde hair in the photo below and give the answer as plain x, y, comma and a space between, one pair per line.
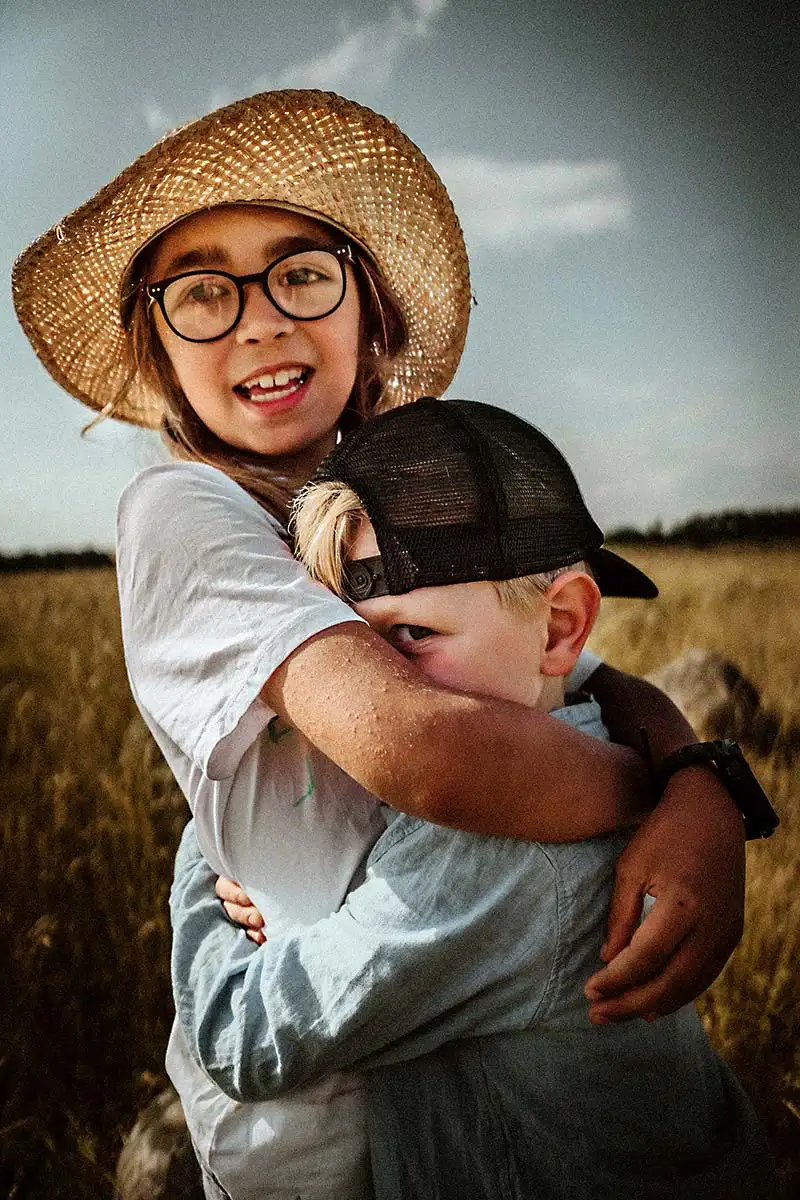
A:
325, 520
382, 337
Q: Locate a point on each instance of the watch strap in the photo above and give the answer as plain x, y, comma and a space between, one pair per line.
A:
725, 759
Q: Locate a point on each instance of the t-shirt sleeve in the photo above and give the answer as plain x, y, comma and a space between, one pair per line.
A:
212, 602
584, 668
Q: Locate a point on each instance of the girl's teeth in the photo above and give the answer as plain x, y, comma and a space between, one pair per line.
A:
279, 379
256, 389
276, 395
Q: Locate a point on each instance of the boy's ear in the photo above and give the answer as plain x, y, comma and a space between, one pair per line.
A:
574, 599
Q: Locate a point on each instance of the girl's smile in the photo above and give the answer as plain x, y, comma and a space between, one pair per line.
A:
274, 385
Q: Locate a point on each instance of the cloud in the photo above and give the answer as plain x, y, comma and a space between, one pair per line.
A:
505, 203
427, 9
365, 56
157, 120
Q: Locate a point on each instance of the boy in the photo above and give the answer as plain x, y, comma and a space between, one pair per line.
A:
454, 974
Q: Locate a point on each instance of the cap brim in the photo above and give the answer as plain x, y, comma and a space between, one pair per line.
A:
615, 576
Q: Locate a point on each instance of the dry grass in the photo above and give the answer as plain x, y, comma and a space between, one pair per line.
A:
744, 604
91, 817
90, 820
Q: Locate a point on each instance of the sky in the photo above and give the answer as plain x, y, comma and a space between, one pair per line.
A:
627, 175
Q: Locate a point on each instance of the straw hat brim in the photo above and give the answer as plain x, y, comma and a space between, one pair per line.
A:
308, 151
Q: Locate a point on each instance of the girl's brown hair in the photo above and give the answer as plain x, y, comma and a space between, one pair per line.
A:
382, 337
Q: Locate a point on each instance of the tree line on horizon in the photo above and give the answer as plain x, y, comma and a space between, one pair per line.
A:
709, 529
55, 560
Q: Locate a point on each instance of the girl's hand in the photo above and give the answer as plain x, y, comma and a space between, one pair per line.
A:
240, 909
688, 855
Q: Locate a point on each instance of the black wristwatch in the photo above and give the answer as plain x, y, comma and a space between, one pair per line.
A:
726, 760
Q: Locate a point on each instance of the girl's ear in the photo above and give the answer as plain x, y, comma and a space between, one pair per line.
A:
573, 600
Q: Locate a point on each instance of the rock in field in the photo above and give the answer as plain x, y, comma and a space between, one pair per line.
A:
718, 700
157, 1160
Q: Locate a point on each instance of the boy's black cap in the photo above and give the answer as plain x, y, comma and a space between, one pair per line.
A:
459, 491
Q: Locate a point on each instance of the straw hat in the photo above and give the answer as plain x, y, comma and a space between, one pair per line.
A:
306, 150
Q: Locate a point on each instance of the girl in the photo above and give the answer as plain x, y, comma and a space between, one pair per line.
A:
258, 281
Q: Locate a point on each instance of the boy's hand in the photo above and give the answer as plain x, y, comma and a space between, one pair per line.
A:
240, 909
688, 855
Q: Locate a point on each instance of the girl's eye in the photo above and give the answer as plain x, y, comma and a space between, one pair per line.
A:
203, 291
406, 635
302, 276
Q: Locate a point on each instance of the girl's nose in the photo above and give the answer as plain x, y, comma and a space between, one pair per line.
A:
260, 318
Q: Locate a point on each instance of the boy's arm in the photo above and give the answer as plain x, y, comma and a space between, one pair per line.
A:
451, 935
689, 854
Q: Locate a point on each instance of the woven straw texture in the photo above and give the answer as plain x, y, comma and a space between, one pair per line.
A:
307, 149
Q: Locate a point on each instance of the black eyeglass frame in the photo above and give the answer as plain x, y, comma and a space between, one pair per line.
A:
156, 291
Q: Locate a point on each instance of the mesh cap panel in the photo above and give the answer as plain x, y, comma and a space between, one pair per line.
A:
460, 491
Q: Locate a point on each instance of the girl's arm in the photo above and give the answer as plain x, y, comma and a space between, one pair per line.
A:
483, 765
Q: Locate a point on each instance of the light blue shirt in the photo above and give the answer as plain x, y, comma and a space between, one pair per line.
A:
453, 975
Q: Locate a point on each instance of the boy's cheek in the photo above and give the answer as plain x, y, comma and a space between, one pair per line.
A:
439, 668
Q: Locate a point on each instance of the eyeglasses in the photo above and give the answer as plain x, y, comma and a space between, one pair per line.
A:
203, 306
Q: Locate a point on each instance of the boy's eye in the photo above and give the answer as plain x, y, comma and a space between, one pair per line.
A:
404, 635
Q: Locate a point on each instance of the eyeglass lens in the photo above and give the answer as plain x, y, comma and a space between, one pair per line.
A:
204, 304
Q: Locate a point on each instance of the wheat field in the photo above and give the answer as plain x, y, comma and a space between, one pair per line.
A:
91, 817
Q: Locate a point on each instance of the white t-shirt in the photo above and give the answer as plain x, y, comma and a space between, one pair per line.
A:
212, 602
